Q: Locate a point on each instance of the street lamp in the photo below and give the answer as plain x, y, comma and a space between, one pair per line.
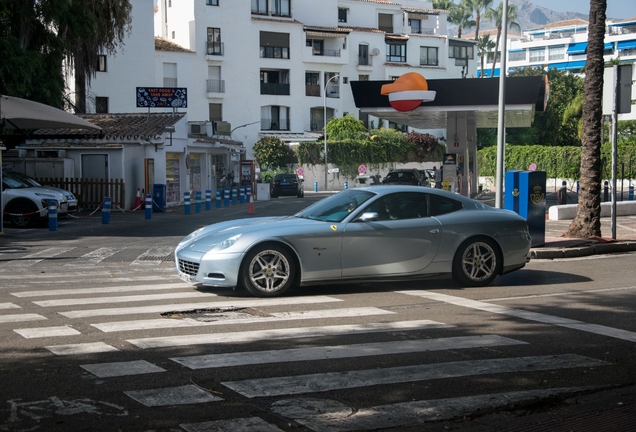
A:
324, 97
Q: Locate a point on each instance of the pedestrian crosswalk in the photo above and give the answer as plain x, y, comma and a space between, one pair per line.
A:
316, 349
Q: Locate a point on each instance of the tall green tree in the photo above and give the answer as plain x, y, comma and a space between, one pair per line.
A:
587, 222
497, 15
462, 17
477, 7
347, 127
272, 153
38, 36
484, 47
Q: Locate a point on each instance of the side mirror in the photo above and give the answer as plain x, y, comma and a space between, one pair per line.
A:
369, 217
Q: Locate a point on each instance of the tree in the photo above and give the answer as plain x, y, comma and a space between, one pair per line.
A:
497, 15
587, 222
37, 36
462, 17
272, 153
484, 46
347, 127
477, 6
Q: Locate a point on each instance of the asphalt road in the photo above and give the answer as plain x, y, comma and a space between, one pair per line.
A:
97, 333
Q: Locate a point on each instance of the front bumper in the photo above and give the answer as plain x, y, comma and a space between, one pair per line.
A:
212, 269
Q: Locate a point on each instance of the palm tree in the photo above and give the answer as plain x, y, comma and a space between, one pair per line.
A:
444, 4
497, 16
477, 6
484, 46
587, 222
462, 17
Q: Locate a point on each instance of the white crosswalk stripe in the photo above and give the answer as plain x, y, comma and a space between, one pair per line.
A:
37, 257
95, 257
121, 299
21, 318
111, 289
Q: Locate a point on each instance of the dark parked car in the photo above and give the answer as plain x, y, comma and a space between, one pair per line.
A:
405, 177
286, 184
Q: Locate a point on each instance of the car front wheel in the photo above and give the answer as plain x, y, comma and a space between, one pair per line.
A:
268, 271
476, 262
23, 214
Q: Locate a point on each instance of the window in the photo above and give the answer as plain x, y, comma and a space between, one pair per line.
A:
537, 54
312, 84
101, 63
174, 35
275, 82
274, 117
396, 52
214, 44
215, 111
342, 15
363, 77
259, 7
428, 56
385, 22
101, 105
274, 45
212, 2
491, 56
363, 55
281, 7
170, 75
556, 52
317, 46
517, 55
416, 25
461, 52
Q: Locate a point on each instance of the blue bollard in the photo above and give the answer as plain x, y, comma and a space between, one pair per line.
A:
242, 195
186, 203
234, 195
346, 185
52, 215
631, 193
106, 211
219, 192
226, 197
148, 206
315, 186
208, 199
248, 192
197, 204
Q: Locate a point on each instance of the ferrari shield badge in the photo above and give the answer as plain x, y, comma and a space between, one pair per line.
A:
334, 227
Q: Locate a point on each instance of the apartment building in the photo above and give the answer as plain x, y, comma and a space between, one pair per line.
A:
563, 46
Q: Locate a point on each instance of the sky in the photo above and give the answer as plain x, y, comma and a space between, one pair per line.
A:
621, 9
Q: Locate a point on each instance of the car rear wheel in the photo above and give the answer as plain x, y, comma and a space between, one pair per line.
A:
476, 262
23, 214
268, 271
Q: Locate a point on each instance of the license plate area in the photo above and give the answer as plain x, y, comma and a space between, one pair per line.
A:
184, 277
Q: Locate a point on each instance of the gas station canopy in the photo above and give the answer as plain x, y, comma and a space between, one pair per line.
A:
476, 97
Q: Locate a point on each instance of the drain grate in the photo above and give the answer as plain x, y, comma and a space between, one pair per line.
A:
169, 257
216, 314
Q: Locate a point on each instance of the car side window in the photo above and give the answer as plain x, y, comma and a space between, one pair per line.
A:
400, 206
441, 205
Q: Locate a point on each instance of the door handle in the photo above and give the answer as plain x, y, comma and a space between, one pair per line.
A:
434, 231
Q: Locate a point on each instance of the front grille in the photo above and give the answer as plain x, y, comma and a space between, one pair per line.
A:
188, 267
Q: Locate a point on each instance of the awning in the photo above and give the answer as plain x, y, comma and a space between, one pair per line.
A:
319, 34
608, 46
558, 66
577, 48
487, 72
625, 45
575, 65
517, 50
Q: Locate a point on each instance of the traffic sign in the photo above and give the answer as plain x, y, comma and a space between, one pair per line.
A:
362, 169
532, 167
333, 170
300, 171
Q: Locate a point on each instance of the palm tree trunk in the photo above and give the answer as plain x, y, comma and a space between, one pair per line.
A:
587, 222
494, 61
477, 18
80, 90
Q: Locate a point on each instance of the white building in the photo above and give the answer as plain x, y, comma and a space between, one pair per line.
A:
262, 65
563, 45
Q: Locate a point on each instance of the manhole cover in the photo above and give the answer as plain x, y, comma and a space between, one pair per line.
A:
216, 314
156, 257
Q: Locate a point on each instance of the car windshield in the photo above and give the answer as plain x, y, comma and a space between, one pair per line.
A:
285, 177
400, 175
12, 182
336, 207
24, 178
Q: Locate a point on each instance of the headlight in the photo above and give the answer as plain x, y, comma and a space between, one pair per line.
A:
226, 243
190, 236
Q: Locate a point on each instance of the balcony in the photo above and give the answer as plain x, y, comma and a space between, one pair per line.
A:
312, 90
274, 89
216, 49
275, 125
214, 88
333, 91
324, 55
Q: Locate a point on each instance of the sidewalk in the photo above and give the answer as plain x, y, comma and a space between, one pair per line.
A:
557, 246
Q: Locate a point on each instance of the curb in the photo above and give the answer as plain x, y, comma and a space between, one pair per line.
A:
583, 251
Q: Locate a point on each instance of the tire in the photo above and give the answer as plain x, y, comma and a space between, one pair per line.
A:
268, 271
477, 262
22, 214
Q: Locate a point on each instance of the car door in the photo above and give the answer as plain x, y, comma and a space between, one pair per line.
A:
394, 244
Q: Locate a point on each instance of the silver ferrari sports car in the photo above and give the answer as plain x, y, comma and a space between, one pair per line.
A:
363, 234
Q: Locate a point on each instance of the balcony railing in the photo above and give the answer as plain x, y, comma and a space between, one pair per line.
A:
312, 90
275, 125
215, 86
365, 61
275, 89
170, 82
327, 53
215, 48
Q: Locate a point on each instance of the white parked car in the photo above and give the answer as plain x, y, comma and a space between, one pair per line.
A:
25, 202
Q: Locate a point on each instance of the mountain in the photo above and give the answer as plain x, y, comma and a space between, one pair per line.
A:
530, 16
